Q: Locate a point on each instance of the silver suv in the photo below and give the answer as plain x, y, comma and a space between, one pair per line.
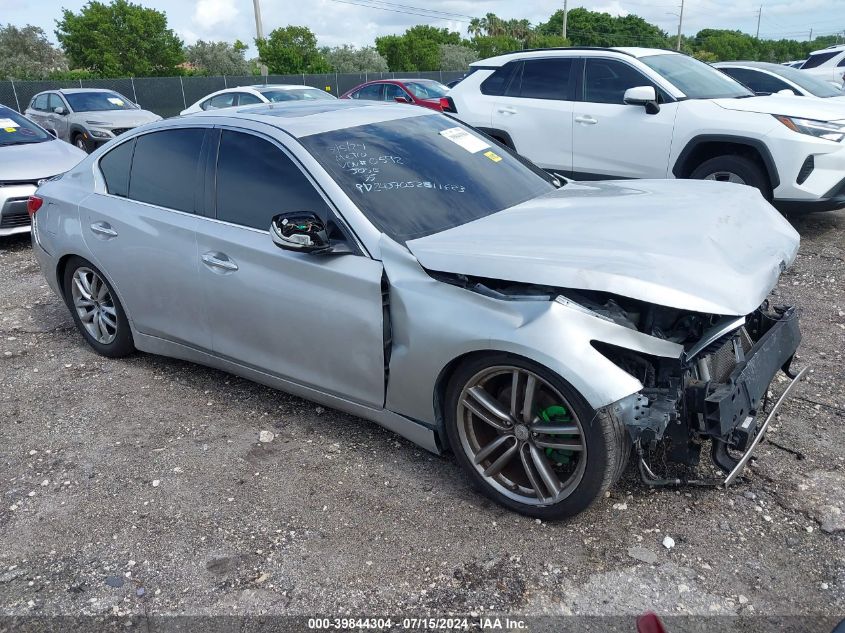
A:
87, 117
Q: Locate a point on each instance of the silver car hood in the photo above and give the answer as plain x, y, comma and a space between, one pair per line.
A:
37, 160
695, 245
117, 118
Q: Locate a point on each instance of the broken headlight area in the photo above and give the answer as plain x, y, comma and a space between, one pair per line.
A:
715, 391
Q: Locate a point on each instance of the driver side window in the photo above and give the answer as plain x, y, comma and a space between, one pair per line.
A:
256, 181
606, 80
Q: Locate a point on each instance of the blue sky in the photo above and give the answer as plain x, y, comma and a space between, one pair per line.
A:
337, 22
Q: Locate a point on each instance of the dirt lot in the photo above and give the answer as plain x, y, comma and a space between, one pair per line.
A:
140, 486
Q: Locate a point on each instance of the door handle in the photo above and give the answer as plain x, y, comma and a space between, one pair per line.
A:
507, 111
104, 230
219, 261
585, 119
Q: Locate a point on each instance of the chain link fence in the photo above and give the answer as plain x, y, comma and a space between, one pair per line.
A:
167, 96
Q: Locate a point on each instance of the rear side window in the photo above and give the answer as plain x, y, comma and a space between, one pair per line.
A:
818, 59
368, 93
496, 84
841, 63
246, 98
544, 79
226, 100
256, 180
164, 168
115, 167
40, 102
606, 80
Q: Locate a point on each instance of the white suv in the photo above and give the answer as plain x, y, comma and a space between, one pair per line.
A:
595, 114
827, 64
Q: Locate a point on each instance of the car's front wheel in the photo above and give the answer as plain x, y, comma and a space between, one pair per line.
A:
528, 440
96, 310
736, 169
81, 143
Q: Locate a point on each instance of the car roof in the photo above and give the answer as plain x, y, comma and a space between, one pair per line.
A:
304, 118
70, 91
760, 65
829, 49
630, 51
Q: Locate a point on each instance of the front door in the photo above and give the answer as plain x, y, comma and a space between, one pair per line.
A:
142, 232
612, 139
312, 319
58, 122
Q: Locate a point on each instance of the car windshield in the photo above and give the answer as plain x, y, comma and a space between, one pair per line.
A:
695, 79
420, 175
426, 89
16, 129
97, 101
808, 82
296, 94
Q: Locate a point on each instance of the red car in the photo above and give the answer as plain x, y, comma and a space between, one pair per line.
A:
423, 92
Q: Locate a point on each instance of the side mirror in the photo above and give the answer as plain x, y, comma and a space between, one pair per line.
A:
643, 96
300, 231
402, 99
60, 110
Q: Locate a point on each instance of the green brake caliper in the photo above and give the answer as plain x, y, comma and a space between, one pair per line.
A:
558, 414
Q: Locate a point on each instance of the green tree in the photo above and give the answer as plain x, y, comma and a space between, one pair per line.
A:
119, 39
417, 49
492, 45
218, 58
456, 57
292, 50
593, 28
25, 53
348, 59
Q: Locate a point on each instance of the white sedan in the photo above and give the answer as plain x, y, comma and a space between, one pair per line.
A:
248, 95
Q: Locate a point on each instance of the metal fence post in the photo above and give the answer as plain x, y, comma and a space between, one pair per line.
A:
303, 79
182, 86
15, 92
80, 82
336, 85
225, 85
134, 94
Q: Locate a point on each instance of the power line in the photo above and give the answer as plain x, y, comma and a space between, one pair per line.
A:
428, 13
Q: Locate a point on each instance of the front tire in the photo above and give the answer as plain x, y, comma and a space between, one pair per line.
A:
96, 310
736, 169
81, 143
528, 440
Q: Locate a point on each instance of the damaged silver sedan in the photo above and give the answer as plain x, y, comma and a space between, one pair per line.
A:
392, 263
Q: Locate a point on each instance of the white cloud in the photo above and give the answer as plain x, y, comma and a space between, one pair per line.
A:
211, 13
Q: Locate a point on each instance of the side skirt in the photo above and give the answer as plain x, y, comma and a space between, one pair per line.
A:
416, 432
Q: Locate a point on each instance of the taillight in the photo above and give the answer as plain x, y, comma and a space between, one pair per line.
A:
447, 105
33, 204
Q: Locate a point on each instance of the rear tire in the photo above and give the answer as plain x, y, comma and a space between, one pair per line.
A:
733, 168
96, 310
546, 474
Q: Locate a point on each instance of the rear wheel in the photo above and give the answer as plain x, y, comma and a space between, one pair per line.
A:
736, 169
96, 310
528, 440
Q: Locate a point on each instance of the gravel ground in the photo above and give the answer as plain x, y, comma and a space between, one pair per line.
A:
141, 486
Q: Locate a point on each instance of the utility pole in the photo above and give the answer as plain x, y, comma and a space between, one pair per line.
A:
759, 15
810, 39
680, 26
564, 18
259, 30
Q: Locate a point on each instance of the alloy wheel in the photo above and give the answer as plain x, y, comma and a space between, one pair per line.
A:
725, 176
94, 305
521, 435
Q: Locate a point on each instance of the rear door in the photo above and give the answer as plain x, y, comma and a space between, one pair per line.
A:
372, 92
38, 110
535, 110
142, 231
312, 319
611, 139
